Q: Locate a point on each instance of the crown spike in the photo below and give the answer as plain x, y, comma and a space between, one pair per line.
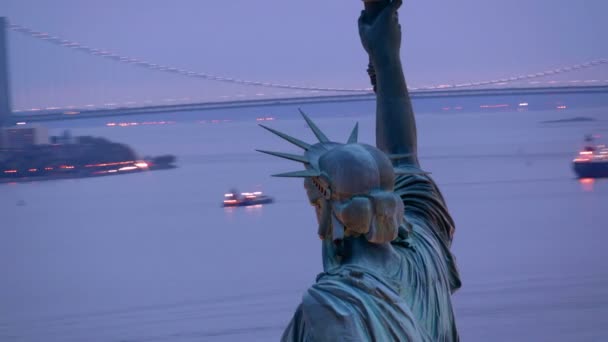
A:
354, 135
289, 156
318, 133
299, 174
292, 140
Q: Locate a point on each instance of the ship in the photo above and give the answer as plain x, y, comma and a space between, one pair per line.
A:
592, 160
244, 199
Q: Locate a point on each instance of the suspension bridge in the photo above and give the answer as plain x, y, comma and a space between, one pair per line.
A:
243, 92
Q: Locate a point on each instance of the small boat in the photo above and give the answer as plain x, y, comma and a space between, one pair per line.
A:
592, 160
235, 199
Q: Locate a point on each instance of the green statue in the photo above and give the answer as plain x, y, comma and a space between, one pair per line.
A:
388, 273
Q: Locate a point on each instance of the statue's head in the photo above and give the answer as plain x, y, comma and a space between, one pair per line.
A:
350, 186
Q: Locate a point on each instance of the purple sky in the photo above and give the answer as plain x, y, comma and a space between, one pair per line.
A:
311, 42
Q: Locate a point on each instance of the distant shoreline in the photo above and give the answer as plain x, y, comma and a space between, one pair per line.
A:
32, 179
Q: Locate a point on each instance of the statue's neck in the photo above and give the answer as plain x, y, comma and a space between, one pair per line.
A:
378, 258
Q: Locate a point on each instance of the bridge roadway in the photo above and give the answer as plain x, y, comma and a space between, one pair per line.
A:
417, 94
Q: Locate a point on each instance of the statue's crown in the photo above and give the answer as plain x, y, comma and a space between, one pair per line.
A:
327, 156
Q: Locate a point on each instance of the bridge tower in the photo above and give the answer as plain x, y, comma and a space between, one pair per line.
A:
5, 94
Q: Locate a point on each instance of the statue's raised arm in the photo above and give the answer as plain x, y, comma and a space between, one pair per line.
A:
385, 230
395, 124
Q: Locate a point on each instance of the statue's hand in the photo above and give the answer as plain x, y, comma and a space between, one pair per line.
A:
381, 36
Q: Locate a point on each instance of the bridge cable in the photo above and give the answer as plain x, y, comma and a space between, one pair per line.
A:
193, 74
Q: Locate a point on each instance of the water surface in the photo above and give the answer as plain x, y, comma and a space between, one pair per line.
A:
153, 257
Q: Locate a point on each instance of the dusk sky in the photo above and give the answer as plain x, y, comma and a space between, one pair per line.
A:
310, 42
98, 243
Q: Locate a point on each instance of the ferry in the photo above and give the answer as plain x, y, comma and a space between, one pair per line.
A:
235, 199
592, 160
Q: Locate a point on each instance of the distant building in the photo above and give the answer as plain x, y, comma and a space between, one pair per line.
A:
22, 137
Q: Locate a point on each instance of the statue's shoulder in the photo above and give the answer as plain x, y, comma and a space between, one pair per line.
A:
354, 305
337, 295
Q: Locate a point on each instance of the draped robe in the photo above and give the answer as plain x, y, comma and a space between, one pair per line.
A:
351, 302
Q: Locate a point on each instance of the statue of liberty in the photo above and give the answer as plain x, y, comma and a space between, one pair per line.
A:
388, 273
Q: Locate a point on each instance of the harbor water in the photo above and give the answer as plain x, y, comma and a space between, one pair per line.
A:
154, 257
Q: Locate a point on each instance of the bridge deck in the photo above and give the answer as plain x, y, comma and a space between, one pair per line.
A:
419, 94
